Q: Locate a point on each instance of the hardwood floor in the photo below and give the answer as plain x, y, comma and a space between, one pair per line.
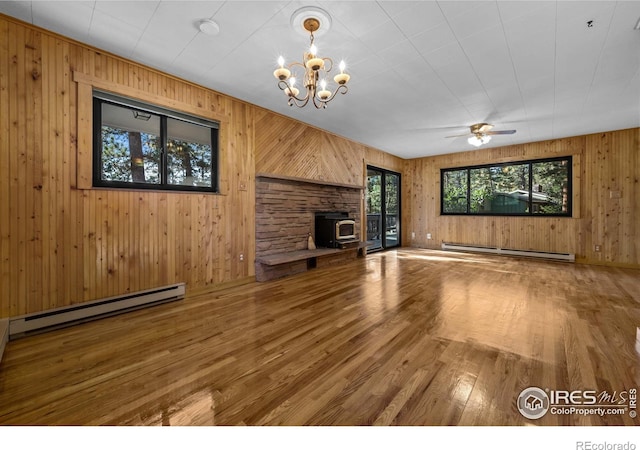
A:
406, 337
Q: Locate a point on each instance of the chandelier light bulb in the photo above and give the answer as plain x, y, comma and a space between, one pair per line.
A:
292, 91
324, 94
342, 78
281, 73
314, 63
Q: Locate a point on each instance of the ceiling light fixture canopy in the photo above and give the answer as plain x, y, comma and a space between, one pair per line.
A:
313, 70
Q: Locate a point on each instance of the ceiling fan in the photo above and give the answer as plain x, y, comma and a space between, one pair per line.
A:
481, 133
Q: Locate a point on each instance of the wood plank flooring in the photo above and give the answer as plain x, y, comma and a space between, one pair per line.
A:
406, 337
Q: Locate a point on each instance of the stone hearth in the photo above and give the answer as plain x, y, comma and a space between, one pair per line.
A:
285, 215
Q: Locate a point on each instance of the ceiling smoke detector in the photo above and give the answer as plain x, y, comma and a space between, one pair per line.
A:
208, 26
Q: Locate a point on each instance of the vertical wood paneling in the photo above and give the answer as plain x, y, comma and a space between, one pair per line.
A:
603, 163
61, 245
612, 167
6, 140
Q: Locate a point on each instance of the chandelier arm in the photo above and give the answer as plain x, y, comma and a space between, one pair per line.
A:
330, 61
318, 103
342, 87
296, 63
284, 86
300, 103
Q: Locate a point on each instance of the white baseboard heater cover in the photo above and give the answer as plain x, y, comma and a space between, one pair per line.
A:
70, 315
506, 251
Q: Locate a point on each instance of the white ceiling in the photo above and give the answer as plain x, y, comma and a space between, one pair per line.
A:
420, 70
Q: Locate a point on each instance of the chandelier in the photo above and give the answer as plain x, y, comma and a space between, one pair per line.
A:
313, 71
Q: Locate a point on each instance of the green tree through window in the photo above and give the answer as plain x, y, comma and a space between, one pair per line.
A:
152, 148
541, 187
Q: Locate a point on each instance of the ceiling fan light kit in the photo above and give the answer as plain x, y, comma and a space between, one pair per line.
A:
477, 141
481, 133
313, 70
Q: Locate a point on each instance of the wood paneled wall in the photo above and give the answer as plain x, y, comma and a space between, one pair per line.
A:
292, 149
604, 164
60, 244
63, 243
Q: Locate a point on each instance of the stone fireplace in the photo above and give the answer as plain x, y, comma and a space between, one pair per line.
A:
285, 216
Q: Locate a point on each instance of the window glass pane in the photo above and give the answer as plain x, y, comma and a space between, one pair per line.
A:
188, 154
392, 209
551, 187
500, 189
454, 191
130, 150
541, 187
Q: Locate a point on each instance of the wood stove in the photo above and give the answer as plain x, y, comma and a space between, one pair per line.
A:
335, 229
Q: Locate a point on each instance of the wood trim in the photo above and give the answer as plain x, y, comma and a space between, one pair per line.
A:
95, 82
587, 261
86, 84
84, 148
99, 83
576, 173
306, 180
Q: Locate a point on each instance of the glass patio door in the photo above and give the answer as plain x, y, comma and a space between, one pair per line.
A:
382, 208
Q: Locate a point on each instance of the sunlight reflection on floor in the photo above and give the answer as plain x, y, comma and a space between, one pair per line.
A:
455, 257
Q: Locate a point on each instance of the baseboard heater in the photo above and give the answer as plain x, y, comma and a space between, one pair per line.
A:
506, 251
84, 312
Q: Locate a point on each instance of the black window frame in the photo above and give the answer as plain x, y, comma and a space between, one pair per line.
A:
530, 212
101, 97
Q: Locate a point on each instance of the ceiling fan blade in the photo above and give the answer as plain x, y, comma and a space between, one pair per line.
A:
458, 135
501, 132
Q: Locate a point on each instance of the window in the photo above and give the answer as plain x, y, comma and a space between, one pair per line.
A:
137, 145
534, 188
383, 204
